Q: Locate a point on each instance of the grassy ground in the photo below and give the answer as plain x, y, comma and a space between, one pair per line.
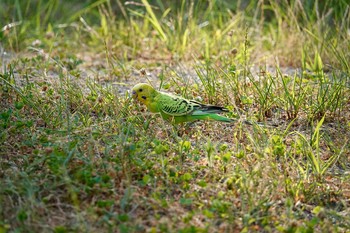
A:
78, 155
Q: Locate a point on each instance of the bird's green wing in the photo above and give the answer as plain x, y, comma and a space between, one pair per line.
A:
175, 105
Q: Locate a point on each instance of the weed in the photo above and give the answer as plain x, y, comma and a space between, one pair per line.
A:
77, 154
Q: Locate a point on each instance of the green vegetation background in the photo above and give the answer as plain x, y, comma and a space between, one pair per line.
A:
78, 155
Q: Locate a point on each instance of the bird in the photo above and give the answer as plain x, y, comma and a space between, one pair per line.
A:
176, 109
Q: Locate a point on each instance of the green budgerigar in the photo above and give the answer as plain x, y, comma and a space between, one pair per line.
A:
175, 108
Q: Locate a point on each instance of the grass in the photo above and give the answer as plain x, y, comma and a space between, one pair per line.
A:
78, 155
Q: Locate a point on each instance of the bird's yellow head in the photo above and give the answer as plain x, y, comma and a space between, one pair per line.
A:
143, 92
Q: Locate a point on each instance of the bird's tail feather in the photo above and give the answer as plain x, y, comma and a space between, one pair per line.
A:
209, 109
211, 116
221, 118
214, 109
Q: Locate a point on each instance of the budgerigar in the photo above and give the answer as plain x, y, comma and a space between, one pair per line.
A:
175, 108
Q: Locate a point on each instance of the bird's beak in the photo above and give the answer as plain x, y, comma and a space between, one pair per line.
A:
134, 95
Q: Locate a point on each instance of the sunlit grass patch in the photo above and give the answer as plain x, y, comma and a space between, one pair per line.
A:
77, 154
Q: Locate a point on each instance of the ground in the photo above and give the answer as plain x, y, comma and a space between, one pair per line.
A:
77, 154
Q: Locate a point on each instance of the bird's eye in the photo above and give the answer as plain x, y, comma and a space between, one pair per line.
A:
140, 90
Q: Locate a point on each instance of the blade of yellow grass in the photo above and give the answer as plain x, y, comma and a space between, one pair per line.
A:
154, 21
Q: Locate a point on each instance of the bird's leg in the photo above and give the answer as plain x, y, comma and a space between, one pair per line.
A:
186, 127
176, 133
190, 124
171, 132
